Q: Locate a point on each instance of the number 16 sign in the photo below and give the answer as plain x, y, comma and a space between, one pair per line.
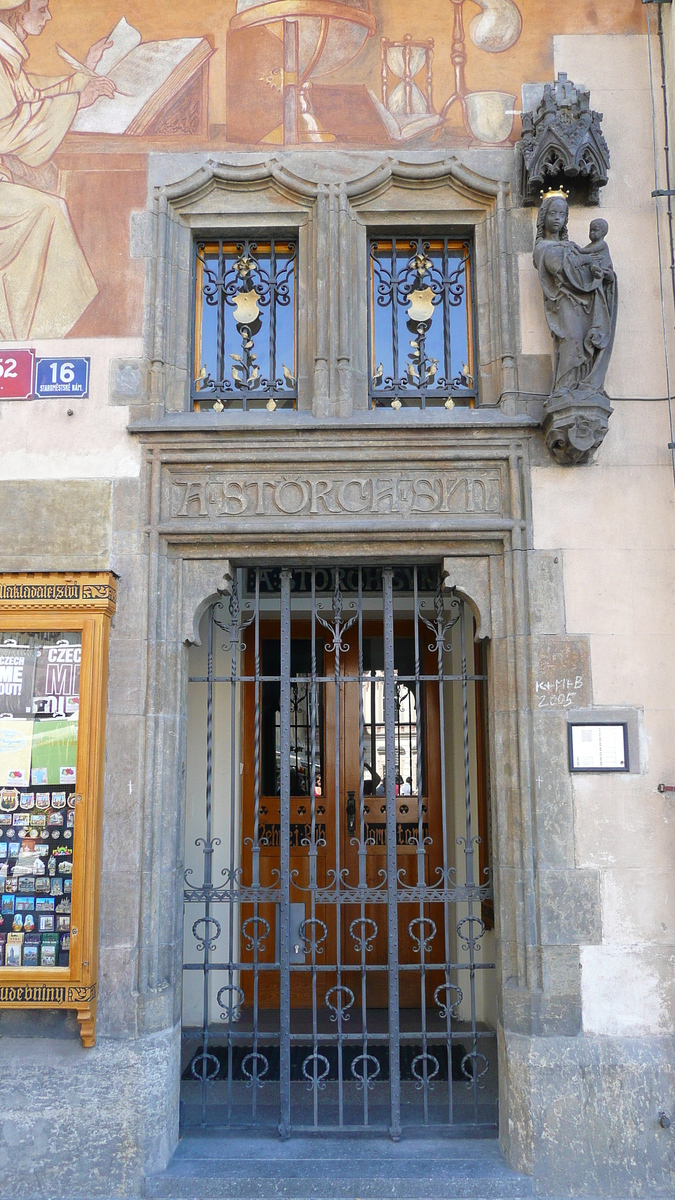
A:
17, 370
62, 377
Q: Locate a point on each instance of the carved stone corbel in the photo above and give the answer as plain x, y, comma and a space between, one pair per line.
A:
203, 579
470, 578
575, 428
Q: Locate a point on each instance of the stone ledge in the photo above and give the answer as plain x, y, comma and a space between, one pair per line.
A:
291, 422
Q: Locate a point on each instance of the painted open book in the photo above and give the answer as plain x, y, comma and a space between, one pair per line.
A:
149, 76
402, 126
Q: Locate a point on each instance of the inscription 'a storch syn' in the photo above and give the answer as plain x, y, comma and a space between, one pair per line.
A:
314, 495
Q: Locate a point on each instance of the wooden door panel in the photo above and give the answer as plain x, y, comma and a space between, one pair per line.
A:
270, 855
407, 817
368, 925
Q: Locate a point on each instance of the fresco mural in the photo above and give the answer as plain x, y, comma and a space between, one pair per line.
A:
38, 245
87, 91
304, 44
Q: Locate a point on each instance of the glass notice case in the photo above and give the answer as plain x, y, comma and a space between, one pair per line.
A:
54, 634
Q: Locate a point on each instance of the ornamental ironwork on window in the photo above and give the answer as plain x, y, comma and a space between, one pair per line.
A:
245, 343
421, 322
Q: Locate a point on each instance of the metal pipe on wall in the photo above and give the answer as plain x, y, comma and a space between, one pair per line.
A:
667, 192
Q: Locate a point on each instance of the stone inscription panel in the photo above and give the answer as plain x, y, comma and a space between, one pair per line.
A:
316, 495
562, 674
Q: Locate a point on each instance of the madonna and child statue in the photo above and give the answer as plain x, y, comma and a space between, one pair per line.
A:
580, 300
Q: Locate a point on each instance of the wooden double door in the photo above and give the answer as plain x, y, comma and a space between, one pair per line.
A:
337, 826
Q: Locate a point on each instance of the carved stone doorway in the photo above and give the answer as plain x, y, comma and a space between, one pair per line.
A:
338, 906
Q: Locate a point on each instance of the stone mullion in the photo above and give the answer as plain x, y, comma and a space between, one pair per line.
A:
163, 223
320, 319
163, 777
520, 542
345, 277
506, 313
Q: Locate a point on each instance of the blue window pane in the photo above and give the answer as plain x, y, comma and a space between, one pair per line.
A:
421, 331
245, 325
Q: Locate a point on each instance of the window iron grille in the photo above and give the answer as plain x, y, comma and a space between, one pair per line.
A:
421, 323
245, 328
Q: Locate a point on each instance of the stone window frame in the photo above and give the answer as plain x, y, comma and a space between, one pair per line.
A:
443, 198
265, 199
332, 223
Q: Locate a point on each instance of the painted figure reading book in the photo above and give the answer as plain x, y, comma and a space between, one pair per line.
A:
122, 87
45, 281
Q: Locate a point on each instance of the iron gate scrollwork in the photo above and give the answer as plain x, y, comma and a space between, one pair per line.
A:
337, 890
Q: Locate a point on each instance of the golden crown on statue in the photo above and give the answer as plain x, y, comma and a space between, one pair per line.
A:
555, 192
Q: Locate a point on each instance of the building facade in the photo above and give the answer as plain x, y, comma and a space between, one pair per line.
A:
336, 584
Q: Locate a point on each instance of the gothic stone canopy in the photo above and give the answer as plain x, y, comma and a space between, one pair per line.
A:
563, 144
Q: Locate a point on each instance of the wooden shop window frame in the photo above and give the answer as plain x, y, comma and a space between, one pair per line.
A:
84, 603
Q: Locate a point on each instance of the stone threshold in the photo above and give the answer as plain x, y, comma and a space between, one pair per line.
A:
210, 1166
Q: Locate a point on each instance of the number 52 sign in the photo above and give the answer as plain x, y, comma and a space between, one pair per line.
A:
17, 369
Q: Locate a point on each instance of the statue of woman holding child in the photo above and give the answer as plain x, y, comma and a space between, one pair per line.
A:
580, 299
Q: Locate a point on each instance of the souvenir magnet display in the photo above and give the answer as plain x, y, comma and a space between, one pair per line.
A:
48, 740
9, 799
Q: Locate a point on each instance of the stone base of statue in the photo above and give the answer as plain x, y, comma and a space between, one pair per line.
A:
575, 424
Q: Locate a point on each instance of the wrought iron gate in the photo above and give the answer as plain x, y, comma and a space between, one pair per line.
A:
337, 898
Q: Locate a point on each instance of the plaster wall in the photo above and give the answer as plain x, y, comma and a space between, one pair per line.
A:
42, 440
612, 528
590, 1069
616, 536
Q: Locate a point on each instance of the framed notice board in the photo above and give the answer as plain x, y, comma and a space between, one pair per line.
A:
598, 747
54, 638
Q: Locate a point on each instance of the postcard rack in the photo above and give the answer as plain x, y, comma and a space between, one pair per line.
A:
54, 637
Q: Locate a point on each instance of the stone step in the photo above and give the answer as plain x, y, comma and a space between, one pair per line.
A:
259, 1168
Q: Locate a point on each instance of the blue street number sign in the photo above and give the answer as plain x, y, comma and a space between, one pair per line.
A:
62, 377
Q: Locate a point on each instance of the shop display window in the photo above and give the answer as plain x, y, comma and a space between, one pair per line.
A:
53, 671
